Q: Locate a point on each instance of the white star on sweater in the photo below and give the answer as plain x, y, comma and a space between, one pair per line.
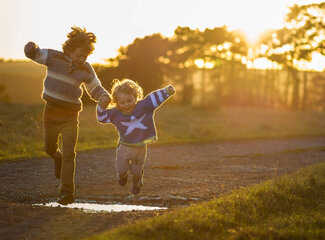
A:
133, 124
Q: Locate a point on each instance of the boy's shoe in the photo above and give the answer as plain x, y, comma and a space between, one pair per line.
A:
136, 188
123, 181
57, 168
65, 198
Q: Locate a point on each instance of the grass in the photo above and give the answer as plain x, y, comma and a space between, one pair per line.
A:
290, 207
23, 81
21, 127
197, 125
21, 131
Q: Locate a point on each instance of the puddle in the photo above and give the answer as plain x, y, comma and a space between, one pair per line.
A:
167, 197
103, 207
140, 198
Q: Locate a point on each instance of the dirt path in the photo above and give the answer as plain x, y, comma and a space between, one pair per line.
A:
175, 176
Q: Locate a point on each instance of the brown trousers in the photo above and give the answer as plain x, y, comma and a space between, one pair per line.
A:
58, 122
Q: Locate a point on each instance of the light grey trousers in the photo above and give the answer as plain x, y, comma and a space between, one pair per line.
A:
132, 159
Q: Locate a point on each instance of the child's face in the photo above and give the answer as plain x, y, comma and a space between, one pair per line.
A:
78, 56
125, 102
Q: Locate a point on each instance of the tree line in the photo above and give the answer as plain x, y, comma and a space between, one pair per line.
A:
209, 68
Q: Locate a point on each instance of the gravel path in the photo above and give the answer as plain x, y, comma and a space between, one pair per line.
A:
175, 176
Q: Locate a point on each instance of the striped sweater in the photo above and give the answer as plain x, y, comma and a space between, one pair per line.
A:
63, 81
136, 128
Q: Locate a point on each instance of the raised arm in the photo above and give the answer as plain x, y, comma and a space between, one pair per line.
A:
33, 52
158, 97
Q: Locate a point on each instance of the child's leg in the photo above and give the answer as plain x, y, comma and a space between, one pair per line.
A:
122, 163
51, 137
137, 168
69, 140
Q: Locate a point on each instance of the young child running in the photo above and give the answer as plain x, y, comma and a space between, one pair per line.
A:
66, 72
133, 118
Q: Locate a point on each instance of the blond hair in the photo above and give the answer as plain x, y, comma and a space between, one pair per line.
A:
126, 86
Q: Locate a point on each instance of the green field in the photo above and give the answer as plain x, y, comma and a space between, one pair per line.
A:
290, 207
22, 130
23, 81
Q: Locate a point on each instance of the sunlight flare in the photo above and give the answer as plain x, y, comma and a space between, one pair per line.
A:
200, 63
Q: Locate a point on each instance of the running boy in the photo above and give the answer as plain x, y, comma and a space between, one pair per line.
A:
133, 118
66, 72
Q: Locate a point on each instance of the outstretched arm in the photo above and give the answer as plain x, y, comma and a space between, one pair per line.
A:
158, 97
36, 54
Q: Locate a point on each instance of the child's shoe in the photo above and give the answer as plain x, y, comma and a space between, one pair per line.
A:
136, 188
123, 180
65, 198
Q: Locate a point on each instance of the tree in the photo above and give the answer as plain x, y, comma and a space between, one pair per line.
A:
303, 35
140, 61
179, 61
216, 47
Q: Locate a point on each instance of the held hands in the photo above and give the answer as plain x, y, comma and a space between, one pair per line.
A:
104, 100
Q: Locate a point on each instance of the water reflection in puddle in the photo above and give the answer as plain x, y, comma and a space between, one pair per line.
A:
103, 207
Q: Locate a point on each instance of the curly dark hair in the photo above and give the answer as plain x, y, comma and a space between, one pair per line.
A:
79, 38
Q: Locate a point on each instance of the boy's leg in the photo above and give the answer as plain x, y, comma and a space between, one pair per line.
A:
51, 137
69, 139
137, 169
122, 163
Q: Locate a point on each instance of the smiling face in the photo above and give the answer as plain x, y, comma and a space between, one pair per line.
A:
78, 56
125, 102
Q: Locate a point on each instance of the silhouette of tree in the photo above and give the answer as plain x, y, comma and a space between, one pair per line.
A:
211, 51
318, 92
303, 35
140, 61
215, 46
153, 59
180, 60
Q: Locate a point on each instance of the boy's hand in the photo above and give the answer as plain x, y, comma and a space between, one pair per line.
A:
30, 49
171, 90
104, 100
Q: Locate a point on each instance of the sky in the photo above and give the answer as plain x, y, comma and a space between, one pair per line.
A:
117, 23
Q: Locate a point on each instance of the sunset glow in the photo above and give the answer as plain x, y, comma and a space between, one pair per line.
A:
262, 63
151, 119
317, 63
200, 63
23, 21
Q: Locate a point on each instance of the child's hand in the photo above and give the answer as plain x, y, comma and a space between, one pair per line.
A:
104, 100
171, 90
30, 49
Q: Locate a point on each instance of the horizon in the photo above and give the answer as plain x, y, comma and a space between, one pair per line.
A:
131, 20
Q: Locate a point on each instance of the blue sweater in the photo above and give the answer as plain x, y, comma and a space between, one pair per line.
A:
62, 84
136, 128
